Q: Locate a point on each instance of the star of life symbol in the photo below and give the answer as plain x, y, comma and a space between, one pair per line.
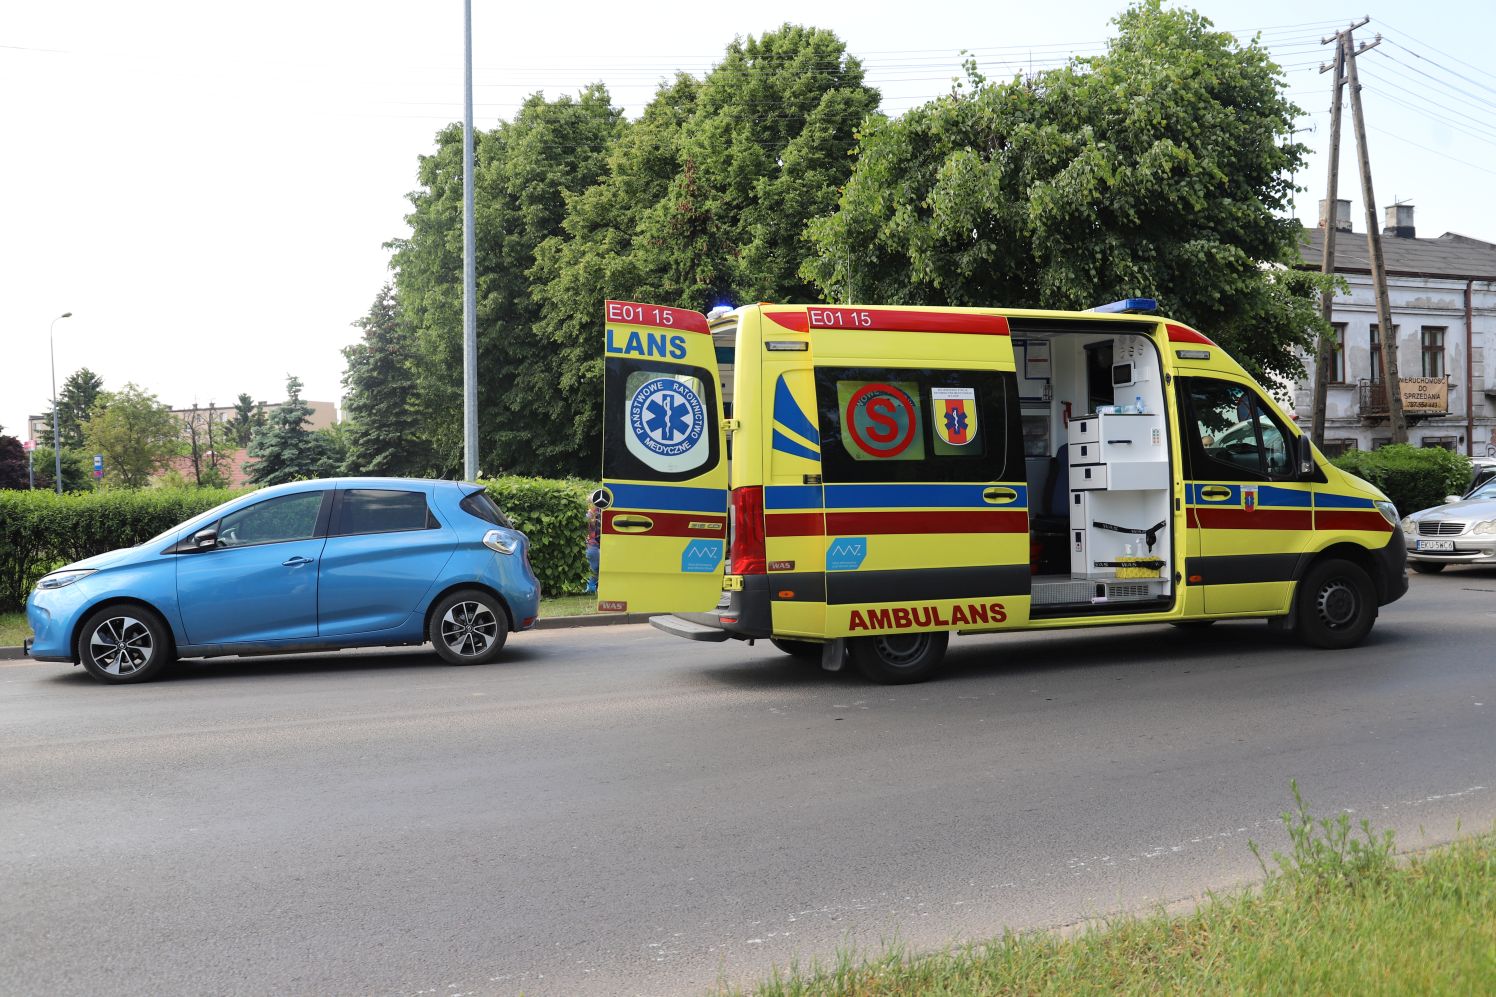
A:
666, 417
955, 423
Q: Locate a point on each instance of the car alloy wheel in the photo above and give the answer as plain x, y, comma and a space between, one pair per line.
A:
469, 629
121, 646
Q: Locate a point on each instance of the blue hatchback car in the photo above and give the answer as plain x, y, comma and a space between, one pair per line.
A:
310, 566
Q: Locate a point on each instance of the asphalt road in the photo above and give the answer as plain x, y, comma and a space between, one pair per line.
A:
614, 811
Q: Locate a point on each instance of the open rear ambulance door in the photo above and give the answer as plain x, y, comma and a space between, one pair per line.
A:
664, 494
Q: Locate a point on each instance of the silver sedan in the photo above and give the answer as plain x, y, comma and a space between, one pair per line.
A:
1461, 532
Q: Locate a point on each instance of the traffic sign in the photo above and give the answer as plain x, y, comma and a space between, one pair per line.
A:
29, 446
98, 465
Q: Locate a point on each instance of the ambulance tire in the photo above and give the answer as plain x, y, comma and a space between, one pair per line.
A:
898, 659
1427, 567
802, 650
1336, 605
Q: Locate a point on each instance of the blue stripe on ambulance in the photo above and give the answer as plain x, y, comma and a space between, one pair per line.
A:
1327, 501
669, 498
789, 414
794, 448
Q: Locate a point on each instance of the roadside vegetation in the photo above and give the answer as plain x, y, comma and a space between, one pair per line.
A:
1338, 914
13, 629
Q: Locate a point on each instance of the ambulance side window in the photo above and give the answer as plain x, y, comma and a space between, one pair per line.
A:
660, 422
895, 424
1231, 433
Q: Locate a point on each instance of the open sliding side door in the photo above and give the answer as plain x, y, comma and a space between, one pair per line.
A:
664, 494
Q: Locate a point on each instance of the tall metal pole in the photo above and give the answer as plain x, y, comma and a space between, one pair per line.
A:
1390, 376
1327, 256
469, 264
56, 436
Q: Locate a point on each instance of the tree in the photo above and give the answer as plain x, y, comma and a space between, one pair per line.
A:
206, 434
77, 469
704, 202
382, 435
12, 463
525, 171
82, 390
248, 416
1160, 169
284, 449
135, 433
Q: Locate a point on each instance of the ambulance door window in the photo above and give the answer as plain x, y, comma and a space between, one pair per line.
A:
1231, 433
661, 421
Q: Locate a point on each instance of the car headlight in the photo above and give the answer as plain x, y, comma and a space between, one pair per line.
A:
500, 541
64, 578
1408, 526
1388, 511
1484, 526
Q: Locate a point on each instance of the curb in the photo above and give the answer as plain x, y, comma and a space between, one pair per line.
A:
544, 623
590, 620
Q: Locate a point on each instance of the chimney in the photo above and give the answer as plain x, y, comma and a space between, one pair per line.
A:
1398, 221
1342, 214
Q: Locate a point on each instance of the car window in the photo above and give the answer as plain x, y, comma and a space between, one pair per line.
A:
1485, 491
1234, 435
382, 510
277, 520
481, 505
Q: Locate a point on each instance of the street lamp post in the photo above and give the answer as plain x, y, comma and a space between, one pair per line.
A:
56, 436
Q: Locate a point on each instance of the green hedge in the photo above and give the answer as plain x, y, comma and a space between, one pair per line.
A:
553, 514
1414, 478
42, 530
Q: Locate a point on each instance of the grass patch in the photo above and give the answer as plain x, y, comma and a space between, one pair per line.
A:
1337, 916
13, 629
568, 605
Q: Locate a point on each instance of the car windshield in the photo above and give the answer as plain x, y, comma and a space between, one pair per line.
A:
1485, 491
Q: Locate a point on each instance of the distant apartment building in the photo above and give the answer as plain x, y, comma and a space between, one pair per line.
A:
324, 415
1442, 296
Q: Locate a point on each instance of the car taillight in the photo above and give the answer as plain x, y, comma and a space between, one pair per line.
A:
746, 555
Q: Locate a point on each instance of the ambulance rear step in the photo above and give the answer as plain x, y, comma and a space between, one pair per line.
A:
687, 629
1063, 590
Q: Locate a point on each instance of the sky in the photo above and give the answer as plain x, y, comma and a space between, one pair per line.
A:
209, 188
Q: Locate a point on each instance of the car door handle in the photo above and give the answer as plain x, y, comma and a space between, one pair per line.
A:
294, 561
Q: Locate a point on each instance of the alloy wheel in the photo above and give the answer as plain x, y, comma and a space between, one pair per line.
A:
121, 645
468, 628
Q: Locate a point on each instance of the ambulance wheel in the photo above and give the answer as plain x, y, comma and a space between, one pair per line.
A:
1427, 567
897, 659
1336, 605
804, 650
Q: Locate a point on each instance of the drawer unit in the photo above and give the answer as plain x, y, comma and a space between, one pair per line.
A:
1084, 477
1086, 429
1135, 475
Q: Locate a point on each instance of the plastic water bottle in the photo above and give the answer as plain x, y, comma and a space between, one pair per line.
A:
1138, 404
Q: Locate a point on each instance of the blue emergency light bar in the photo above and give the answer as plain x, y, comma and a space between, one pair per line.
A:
1129, 306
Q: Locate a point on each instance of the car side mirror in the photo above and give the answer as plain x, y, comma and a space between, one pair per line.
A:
1306, 457
205, 538
1452, 498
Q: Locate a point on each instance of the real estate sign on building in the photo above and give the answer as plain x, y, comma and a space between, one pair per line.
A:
1425, 394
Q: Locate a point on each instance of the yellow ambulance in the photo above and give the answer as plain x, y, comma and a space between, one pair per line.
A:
874, 478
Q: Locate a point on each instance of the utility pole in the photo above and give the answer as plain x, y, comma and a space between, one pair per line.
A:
1327, 255
469, 264
1390, 377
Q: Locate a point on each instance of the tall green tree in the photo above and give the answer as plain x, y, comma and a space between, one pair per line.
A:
284, 449
248, 416
12, 463
704, 203
1161, 168
135, 433
382, 436
525, 171
82, 390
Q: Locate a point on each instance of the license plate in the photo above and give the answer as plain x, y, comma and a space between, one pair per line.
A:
1435, 545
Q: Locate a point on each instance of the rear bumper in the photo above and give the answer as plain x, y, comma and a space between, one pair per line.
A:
741, 615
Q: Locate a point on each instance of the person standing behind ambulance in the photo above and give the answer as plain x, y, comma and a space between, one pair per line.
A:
594, 544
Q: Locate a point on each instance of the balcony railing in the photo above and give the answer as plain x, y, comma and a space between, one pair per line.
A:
1422, 397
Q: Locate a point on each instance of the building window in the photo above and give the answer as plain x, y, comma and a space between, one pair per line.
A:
1334, 448
1376, 350
1337, 353
1378, 442
1440, 442
1433, 351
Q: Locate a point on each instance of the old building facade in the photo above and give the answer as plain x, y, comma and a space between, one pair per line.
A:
1442, 295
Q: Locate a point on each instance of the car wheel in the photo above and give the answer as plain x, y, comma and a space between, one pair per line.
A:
804, 650
468, 627
124, 643
1336, 605
1427, 567
897, 659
